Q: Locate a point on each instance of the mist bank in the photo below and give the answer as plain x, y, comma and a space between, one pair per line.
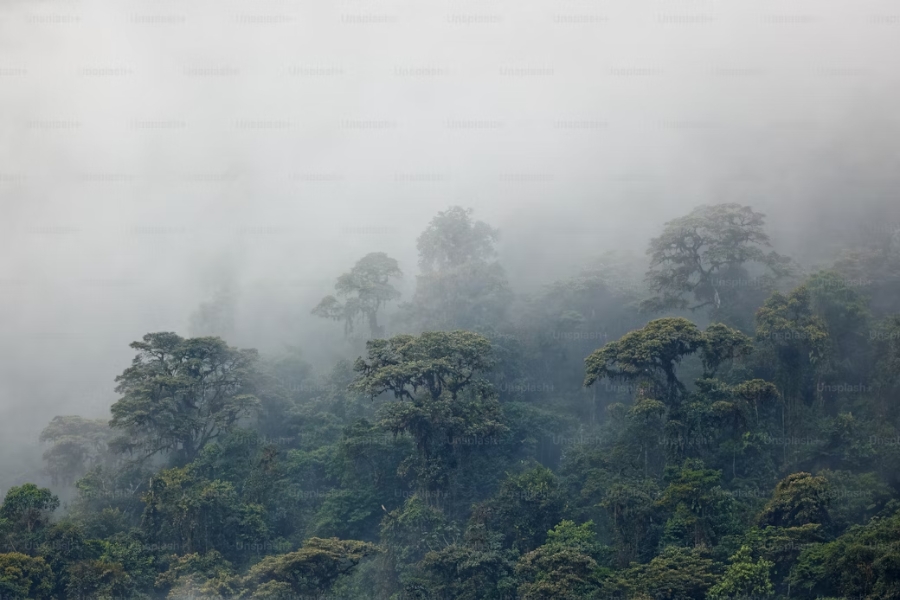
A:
153, 154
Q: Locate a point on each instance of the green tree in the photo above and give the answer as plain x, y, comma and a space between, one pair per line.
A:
650, 354
723, 344
431, 363
744, 578
724, 420
460, 286
526, 506
782, 546
408, 534
675, 574
697, 256
77, 445
25, 577
186, 511
632, 510
180, 394
701, 512
799, 499
312, 569
64, 543
862, 563
366, 288
99, 579
564, 567
478, 566
110, 497
565, 320
200, 576
794, 346
885, 338
25, 512
443, 398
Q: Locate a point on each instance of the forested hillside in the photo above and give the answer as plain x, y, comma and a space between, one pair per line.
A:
714, 420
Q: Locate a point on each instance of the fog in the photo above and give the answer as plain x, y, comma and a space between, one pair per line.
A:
154, 151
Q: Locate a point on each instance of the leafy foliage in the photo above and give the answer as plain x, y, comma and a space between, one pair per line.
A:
480, 455
180, 394
23, 576
697, 255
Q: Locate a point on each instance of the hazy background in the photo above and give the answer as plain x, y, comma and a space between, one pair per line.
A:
153, 151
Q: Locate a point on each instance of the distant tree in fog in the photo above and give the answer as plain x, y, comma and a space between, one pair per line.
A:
701, 259
367, 288
77, 444
460, 287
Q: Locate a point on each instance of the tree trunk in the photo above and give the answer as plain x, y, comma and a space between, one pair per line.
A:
374, 327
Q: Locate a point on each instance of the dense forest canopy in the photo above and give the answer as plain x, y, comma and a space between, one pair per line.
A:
674, 437
464, 300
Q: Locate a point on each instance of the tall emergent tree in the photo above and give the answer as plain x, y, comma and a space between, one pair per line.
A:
701, 259
647, 355
367, 287
453, 239
180, 394
460, 286
443, 396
